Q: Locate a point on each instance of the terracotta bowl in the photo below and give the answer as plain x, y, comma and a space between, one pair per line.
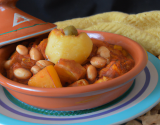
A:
78, 98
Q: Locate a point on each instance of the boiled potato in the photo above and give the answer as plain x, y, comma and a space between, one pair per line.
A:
72, 47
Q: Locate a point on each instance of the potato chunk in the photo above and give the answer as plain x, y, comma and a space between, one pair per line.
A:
69, 71
70, 47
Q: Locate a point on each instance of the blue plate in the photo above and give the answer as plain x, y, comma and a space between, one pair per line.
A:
144, 96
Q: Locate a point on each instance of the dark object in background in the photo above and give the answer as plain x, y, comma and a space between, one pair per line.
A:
59, 10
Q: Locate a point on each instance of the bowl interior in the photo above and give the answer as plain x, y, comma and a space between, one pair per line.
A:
135, 50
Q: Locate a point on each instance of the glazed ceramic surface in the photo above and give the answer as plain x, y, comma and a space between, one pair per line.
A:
78, 98
143, 96
17, 25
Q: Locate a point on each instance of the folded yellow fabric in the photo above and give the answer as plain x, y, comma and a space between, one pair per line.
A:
143, 28
85, 22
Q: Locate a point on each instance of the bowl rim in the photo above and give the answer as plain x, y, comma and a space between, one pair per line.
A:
68, 91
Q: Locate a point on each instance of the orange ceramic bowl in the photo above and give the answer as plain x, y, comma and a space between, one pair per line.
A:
78, 98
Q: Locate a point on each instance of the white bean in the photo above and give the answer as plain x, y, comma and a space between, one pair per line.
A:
22, 50
22, 73
35, 69
98, 62
43, 63
104, 52
91, 73
7, 64
35, 54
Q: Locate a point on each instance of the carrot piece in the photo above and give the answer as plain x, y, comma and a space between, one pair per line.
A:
103, 79
117, 47
46, 78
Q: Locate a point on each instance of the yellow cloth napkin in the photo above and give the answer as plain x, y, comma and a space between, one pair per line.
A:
143, 28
